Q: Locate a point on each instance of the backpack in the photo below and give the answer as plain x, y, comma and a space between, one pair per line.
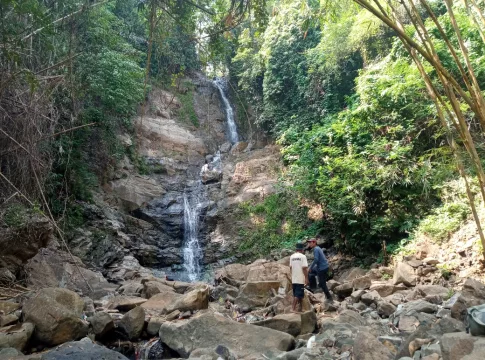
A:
475, 320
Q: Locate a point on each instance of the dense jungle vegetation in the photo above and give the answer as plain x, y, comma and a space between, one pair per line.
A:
377, 105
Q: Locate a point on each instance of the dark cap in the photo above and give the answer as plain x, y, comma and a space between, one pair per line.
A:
300, 246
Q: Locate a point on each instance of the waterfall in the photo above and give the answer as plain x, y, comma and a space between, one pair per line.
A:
231, 124
192, 251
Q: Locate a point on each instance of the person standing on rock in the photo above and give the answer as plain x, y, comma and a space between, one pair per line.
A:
299, 276
319, 269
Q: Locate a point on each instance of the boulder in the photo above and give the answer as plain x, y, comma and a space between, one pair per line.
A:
234, 272
209, 330
356, 295
82, 350
136, 190
133, 322
430, 290
125, 267
415, 263
197, 299
154, 325
270, 271
308, 322
420, 306
385, 309
6, 277
101, 323
151, 288
253, 294
131, 288
475, 288
9, 353
16, 336
344, 290
408, 323
223, 292
210, 175
125, 303
430, 261
332, 284
404, 274
160, 302
362, 283
167, 302
287, 323
56, 268
383, 288
371, 297
367, 347
351, 274
8, 319
7, 307
64, 322
462, 346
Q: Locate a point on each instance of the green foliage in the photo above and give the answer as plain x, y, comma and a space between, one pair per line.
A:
278, 222
448, 217
187, 111
15, 215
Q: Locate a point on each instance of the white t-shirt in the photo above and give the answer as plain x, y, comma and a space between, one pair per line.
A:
298, 261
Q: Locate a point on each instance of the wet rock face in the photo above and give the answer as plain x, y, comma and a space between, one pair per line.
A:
162, 246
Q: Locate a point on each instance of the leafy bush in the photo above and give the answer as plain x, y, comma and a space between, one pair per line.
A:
277, 222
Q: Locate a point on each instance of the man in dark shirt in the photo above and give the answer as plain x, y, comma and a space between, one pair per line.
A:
319, 268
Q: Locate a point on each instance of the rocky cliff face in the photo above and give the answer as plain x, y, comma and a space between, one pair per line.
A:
143, 215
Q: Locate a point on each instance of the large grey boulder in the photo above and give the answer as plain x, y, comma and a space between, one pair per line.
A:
404, 274
463, 346
367, 347
132, 323
16, 336
101, 323
169, 301
56, 314
288, 323
56, 268
82, 350
209, 330
253, 294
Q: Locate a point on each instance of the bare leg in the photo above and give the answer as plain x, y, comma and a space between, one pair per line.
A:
295, 300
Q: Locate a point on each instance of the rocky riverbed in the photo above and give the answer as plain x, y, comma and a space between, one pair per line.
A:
405, 312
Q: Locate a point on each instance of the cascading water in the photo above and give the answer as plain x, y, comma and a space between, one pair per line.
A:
231, 124
192, 251
194, 200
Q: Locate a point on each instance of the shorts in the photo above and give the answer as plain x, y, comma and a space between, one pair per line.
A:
298, 291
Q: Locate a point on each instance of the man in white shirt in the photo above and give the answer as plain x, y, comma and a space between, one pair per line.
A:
299, 275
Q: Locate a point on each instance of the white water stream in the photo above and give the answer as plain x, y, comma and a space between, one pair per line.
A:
221, 84
194, 200
192, 250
